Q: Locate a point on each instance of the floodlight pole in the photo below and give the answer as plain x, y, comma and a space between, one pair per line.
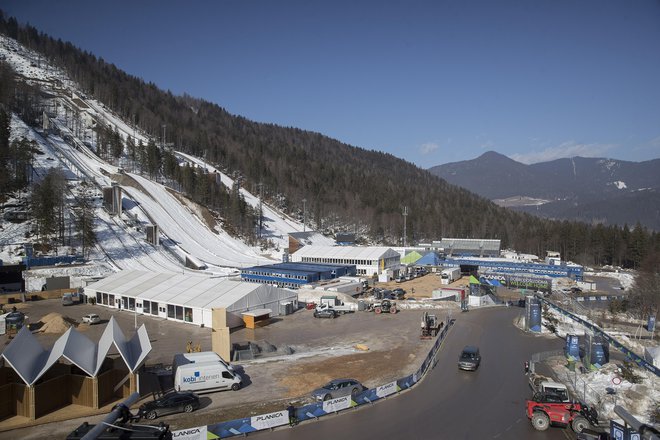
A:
405, 216
304, 201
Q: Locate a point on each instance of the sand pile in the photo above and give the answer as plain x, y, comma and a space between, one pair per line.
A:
55, 323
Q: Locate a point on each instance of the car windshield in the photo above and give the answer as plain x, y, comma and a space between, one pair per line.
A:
331, 386
467, 355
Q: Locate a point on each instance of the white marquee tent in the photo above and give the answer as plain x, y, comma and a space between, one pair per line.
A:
186, 298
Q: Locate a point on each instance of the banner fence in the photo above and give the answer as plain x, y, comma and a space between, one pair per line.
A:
315, 410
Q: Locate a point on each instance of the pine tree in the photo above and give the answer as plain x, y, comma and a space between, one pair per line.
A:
84, 211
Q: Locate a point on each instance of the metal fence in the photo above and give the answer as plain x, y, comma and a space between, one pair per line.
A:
319, 409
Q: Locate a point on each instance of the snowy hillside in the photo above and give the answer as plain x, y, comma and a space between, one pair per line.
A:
122, 241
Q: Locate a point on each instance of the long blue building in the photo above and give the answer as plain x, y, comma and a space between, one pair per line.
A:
510, 267
294, 275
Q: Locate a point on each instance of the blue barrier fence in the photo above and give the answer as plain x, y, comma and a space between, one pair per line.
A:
50, 261
319, 409
640, 361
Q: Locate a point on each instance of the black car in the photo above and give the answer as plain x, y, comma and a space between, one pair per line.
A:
170, 403
398, 293
325, 313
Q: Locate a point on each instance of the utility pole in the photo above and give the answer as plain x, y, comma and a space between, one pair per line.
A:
405, 216
304, 213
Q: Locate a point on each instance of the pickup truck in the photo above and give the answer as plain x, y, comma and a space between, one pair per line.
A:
336, 304
340, 309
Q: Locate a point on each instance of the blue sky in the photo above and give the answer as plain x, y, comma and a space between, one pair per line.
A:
428, 81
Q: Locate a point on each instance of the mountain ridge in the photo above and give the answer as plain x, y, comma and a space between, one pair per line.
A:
344, 186
591, 190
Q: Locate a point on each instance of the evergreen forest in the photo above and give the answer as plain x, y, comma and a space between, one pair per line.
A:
344, 187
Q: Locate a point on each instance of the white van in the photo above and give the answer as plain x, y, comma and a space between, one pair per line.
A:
203, 372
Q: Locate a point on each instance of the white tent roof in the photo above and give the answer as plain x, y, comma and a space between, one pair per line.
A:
346, 252
31, 361
185, 290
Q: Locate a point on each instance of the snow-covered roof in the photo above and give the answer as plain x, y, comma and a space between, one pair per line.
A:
346, 252
179, 289
31, 361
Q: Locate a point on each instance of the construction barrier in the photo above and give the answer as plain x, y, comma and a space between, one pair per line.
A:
314, 410
640, 361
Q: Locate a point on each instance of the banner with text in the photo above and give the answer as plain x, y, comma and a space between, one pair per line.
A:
198, 433
270, 420
334, 405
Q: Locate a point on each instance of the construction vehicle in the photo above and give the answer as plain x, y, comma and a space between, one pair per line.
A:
431, 326
547, 408
384, 306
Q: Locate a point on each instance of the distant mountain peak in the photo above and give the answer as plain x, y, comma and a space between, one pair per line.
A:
575, 188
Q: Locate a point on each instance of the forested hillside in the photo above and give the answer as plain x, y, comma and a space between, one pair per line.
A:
344, 186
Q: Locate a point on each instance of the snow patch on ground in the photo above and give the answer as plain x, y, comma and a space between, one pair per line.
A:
601, 388
625, 277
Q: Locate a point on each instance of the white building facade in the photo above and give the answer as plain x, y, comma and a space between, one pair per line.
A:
368, 261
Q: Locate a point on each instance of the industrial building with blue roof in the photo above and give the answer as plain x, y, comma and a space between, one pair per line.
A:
294, 275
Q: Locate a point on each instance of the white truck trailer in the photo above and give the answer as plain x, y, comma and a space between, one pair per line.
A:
449, 275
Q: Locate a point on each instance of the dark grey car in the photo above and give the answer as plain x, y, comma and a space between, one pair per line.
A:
174, 402
469, 359
338, 388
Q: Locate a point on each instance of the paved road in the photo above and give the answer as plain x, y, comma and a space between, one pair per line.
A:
452, 404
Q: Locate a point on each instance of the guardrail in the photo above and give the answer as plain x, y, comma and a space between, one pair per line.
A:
315, 410
640, 361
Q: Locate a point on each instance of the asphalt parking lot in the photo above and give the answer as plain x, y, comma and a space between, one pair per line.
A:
321, 349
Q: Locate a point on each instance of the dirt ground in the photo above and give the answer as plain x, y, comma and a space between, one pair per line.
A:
323, 349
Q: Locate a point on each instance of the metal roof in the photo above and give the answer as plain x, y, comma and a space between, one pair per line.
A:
469, 243
346, 252
310, 268
178, 289
31, 361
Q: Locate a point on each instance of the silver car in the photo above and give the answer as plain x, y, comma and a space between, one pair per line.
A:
92, 318
469, 359
338, 388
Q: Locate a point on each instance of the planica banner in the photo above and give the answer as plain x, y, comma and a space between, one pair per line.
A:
270, 420
198, 433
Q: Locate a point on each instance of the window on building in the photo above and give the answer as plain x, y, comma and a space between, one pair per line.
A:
170, 311
154, 308
179, 313
99, 298
187, 313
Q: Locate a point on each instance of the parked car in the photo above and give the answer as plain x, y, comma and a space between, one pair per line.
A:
171, 403
338, 388
469, 359
92, 318
398, 293
325, 313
